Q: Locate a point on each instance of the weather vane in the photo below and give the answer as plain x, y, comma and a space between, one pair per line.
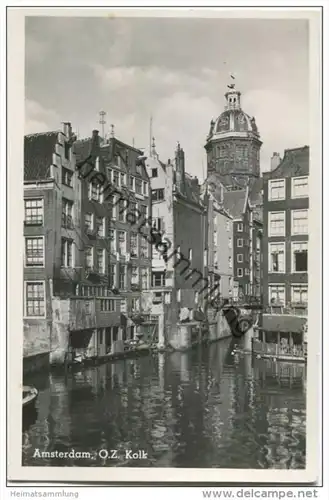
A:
232, 85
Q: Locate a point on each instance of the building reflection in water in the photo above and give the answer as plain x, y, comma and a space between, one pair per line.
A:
204, 408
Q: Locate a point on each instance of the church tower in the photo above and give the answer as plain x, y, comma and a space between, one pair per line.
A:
233, 144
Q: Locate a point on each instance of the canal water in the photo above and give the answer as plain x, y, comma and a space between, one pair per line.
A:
205, 408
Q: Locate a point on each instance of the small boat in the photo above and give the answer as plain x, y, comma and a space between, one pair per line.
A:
30, 395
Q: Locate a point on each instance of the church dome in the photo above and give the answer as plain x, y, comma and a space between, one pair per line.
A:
233, 120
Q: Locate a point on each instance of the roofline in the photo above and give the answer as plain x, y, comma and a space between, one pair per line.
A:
285, 153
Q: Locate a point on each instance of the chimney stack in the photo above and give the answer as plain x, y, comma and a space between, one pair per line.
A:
95, 143
275, 161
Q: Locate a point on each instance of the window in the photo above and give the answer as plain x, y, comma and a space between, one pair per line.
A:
112, 275
113, 241
122, 242
240, 257
299, 224
100, 260
67, 209
215, 238
230, 262
107, 305
67, 253
158, 224
122, 276
133, 245
111, 208
276, 189
179, 295
134, 275
157, 194
240, 272
135, 304
89, 221
89, 257
230, 242
34, 251
123, 305
277, 223
144, 248
144, 278
34, 299
158, 279
216, 265
240, 227
122, 209
205, 257
154, 172
299, 187
240, 242
100, 227
67, 177
247, 271
227, 225
138, 186
109, 174
144, 211
299, 257
277, 294
115, 178
95, 191
145, 188
122, 179
299, 293
34, 212
131, 183
276, 260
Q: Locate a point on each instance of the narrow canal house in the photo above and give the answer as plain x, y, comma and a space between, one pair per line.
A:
179, 263
52, 203
285, 242
220, 242
116, 205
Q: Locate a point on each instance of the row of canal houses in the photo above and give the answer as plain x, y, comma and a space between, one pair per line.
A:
120, 245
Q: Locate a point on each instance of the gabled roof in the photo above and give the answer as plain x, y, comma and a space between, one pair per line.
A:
295, 162
38, 155
235, 202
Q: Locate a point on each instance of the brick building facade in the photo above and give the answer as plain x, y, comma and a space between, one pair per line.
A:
285, 241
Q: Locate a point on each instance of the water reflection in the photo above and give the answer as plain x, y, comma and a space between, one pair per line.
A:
204, 408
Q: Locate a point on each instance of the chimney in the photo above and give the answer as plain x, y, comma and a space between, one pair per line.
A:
275, 161
95, 143
67, 129
180, 168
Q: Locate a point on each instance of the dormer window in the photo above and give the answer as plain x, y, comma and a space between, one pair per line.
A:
154, 172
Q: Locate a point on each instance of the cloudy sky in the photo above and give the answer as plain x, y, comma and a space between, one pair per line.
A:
173, 69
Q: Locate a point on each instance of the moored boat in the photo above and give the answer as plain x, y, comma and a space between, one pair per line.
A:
30, 395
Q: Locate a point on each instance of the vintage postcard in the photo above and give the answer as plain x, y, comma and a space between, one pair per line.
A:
164, 198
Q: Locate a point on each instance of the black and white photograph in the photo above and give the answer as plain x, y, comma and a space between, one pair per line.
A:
167, 265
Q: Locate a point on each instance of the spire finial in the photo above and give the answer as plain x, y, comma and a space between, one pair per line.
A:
153, 150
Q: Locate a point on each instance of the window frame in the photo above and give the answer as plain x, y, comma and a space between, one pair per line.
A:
270, 245
38, 266
39, 199
270, 183
294, 196
294, 243
270, 233
31, 282
292, 221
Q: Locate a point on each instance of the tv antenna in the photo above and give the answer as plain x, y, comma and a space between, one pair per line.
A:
102, 121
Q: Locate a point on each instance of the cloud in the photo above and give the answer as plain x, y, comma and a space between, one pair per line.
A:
39, 119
